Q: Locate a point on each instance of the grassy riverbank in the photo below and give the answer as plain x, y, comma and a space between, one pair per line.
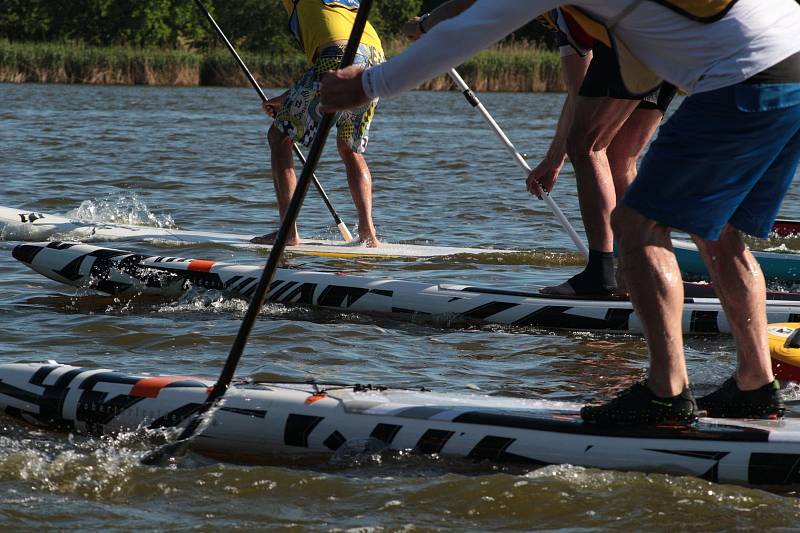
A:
514, 67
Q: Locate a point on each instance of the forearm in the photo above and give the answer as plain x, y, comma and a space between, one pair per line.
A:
450, 43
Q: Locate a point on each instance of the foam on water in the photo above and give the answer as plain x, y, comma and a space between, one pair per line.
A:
121, 208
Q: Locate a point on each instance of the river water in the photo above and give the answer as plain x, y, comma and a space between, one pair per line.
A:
195, 158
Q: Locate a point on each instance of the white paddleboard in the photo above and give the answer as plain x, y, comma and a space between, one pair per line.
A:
258, 422
24, 225
120, 272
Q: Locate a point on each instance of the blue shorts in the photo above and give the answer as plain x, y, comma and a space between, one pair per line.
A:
725, 157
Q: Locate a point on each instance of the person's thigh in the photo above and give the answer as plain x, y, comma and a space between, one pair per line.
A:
635, 133
296, 119
597, 120
353, 125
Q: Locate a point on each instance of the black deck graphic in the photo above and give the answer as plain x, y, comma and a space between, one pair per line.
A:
339, 296
334, 441
572, 424
433, 441
773, 468
176, 416
559, 316
302, 294
385, 432
298, 428
255, 413
704, 322
491, 448
276, 296
25, 252
486, 310
41, 374
712, 474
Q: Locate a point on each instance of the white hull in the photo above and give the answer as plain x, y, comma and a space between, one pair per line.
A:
33, 226
258, 421
120, 272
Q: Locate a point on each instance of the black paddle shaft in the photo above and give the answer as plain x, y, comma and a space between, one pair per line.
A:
235, 355
264, 99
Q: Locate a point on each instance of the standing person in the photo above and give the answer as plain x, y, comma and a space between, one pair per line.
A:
720, 167
321, 28
603, 128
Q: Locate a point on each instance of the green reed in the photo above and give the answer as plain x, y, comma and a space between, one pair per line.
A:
509, 67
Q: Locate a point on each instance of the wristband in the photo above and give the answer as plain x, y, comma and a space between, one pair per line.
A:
422, 19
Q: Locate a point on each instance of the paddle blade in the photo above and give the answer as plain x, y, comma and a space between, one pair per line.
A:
173, 451
167, 454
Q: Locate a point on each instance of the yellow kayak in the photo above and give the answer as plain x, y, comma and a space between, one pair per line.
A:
784, 347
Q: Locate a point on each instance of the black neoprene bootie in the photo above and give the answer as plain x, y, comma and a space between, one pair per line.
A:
730, 402
597, 279
637, 405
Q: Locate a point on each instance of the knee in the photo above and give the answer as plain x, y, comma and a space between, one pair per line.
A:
277, 139
621, 163
730, 245
344, 149
579, 144
633, 229
620, 218
346, 152
349, 157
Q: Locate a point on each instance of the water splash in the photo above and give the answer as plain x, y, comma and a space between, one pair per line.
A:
122, 208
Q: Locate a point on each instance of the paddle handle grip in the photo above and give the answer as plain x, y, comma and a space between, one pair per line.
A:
346, 235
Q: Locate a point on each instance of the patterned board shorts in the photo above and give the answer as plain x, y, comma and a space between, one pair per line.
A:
300, 115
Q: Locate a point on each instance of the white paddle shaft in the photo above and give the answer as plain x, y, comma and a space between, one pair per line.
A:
473, 100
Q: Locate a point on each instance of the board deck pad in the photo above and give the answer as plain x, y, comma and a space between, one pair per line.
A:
260, 420
120, 272
35, 226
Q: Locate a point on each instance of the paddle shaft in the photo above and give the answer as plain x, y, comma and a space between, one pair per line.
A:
235, 355
474, 102
341, 225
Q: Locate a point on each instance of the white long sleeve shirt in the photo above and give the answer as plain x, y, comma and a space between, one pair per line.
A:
753, 36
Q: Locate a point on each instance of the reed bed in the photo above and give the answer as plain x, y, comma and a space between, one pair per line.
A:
510, 67
76, 63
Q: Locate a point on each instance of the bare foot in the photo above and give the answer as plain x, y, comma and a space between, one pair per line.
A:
565, 289
369, 239
269, 238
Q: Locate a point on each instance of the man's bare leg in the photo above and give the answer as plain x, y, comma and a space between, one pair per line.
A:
656, 289
359, 180
740, 286
654, 282
628, 144
623, 153
595, 124
284, 179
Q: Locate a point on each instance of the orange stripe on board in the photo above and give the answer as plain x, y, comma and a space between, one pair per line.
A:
315, 398
150, 387
200, 265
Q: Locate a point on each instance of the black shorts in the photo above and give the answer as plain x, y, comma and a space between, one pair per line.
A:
604, 79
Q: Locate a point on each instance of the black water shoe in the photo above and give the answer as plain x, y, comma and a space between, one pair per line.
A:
597, 279
730, 402
637, 405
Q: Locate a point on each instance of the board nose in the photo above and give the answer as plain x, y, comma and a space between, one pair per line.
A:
26, 252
